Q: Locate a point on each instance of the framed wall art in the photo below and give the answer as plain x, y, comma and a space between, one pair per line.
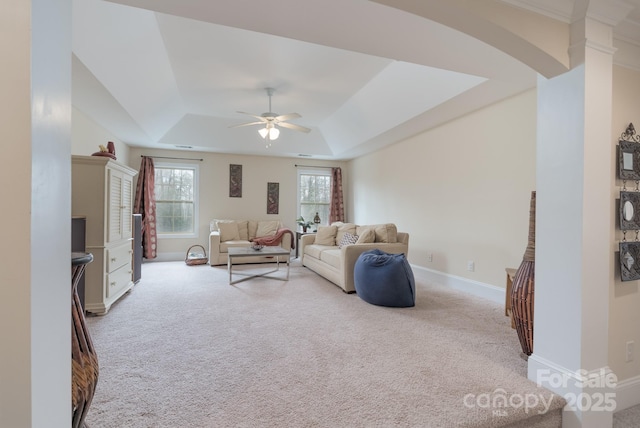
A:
235, 181
273, 197
629, 211
629, 257
628, 160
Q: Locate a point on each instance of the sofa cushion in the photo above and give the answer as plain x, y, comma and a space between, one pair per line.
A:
243, 230
267, 228
314, 250
228, 231
252, 227
367, 236
224, 246
213, 226
344, 228
386, 233
347, 239
331, 257
326, 235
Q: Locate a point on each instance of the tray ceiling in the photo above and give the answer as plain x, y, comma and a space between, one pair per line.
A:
169, 74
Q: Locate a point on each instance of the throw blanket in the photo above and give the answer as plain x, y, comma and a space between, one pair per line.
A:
276, 239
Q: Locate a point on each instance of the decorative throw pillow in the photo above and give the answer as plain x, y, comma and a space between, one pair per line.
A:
367, 236
228, 231
347, 239
326, 235
243, 230
344, 228
386, 233
252, 228
267, 228
213, 226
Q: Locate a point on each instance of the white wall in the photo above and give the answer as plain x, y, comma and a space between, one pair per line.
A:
15, 267
624, 297
462, 190
35, 264
87, 135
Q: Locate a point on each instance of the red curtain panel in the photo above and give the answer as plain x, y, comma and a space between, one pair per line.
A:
145, 204
336, 206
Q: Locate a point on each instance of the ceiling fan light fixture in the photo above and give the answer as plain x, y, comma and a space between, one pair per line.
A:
270, 120
269, 131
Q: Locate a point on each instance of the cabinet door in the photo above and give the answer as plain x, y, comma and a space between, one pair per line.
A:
120, 222
126, 212
115, 205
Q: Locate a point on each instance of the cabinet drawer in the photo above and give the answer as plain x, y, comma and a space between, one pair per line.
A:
118, 256
118, 280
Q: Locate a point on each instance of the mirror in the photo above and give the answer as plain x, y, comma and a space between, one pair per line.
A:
627, 161
627, 211
629, 205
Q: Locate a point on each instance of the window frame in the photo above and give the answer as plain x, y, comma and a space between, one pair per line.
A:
196, 198
312, 171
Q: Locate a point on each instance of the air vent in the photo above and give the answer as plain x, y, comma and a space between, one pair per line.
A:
184, 147
302, 155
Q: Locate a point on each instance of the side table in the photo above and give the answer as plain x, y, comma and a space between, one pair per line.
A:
298, 236
84, 362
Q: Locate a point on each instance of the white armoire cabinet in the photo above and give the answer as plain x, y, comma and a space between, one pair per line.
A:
102, 192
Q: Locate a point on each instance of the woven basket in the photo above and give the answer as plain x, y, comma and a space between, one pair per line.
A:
196, 257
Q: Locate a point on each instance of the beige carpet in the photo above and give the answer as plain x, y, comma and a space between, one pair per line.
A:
185, 349
628, 418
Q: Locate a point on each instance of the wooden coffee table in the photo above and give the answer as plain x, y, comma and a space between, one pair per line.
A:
240, 252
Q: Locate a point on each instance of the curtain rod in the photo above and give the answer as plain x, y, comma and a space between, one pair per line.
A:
313, 166
166, 157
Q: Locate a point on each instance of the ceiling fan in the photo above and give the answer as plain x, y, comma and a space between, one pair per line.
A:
272, 120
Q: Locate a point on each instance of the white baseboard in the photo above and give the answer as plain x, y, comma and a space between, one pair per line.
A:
166, 257
628, 393
589, 394
477, 288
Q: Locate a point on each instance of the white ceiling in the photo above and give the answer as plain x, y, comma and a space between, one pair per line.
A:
175, 73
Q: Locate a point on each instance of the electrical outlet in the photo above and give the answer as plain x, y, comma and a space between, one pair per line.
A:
629, 351
429, 257
471, 266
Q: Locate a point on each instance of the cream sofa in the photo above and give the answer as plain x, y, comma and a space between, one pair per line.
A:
332, 254
239, 233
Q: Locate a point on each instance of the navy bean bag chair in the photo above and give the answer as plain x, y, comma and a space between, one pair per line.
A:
385, 279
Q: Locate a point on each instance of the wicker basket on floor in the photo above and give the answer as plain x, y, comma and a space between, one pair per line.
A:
196, 257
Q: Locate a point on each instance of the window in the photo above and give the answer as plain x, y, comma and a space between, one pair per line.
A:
314, 194
176, 189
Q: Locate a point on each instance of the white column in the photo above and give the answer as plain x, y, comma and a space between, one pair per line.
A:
35, 270
573, 269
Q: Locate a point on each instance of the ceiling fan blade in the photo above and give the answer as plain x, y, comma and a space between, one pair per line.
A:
247, 124
288, 116
294, 127
253, 115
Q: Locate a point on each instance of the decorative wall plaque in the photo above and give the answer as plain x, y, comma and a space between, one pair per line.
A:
628, 160
629, 211
273, 197
235, 181
629, 154
629, 258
